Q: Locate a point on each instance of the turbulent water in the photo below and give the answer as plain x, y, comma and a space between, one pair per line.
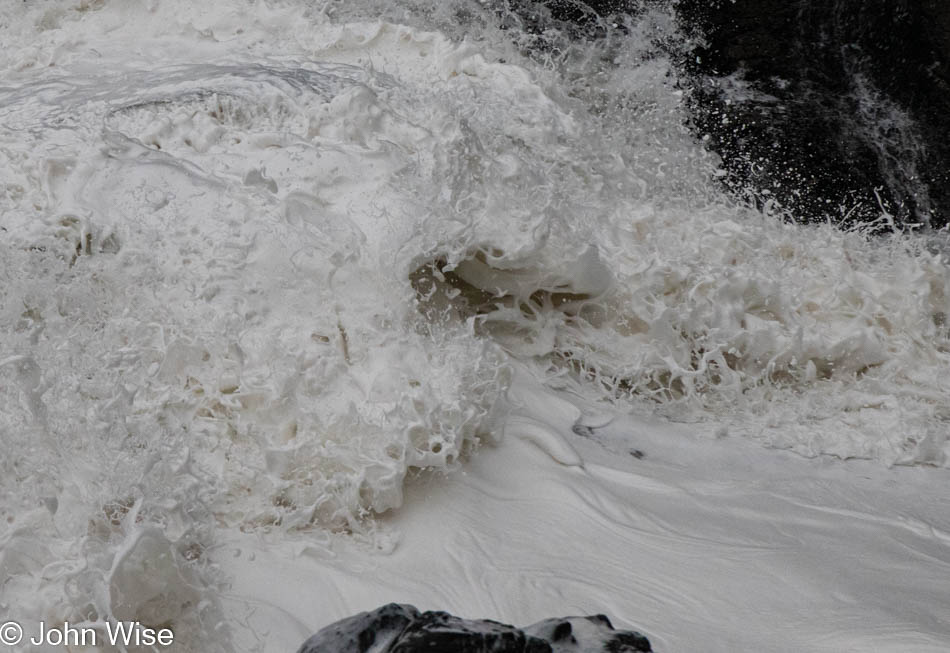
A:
262, 260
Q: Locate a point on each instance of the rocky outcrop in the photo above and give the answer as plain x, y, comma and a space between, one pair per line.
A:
834, 108
403, 629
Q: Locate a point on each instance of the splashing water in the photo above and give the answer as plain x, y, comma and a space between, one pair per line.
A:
260, 261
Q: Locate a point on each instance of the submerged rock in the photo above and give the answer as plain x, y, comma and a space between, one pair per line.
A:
397, 628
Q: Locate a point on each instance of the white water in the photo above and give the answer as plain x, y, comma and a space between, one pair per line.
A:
263, 261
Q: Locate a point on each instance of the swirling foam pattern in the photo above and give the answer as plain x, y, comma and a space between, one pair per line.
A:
262, 261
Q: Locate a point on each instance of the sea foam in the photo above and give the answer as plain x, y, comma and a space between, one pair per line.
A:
265, 263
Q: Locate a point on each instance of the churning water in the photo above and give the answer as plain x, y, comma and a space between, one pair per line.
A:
261, 260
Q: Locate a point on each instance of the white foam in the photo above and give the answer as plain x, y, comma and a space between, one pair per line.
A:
262, 262
702, 544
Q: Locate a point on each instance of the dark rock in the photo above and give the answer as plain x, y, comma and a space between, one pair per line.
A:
403, 629
827, 106
439, 631
358, 634
832, 109
583, 634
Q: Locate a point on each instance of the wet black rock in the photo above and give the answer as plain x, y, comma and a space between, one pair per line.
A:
587, 635
403, 629
832, 107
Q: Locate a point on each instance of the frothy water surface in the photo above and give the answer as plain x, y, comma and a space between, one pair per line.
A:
261, 261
